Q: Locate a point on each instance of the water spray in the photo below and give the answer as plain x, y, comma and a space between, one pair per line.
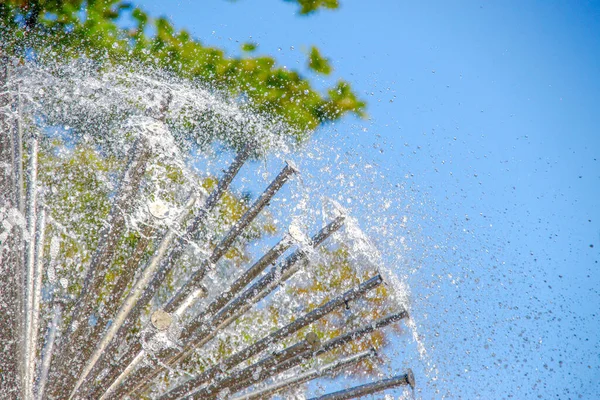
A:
95, 356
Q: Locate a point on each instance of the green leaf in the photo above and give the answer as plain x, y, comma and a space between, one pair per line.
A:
310, 6
318, 63
249, 47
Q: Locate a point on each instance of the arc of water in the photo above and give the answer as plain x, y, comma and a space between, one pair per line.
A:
308, 376
199, 332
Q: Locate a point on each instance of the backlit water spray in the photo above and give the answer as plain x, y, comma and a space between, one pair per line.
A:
175, 242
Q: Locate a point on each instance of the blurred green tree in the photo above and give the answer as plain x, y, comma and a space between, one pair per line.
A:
115, 31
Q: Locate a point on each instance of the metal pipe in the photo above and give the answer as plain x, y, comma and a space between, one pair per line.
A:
310, 343
126, 276
31, 219
308, 376
47, 352
280, 334
185, 296
221, 188
155, 273
77, 341
268, 258
209, 311
275, 276
325, 347
407, 379
199, 332
139, 295
188, 293
360, 332
270, 283
37, 293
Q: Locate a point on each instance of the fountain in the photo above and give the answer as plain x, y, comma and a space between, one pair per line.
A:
138, 263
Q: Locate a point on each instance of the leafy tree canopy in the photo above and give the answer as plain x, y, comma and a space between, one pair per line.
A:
116, 31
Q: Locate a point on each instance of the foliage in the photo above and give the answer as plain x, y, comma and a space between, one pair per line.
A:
311, 6
318, 63
249, 46
72, 28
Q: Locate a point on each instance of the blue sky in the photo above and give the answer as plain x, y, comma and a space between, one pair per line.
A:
484, 131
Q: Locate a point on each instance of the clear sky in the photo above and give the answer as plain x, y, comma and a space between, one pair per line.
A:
484, 131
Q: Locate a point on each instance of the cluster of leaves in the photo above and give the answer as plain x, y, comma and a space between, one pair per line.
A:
310, 6
115, 31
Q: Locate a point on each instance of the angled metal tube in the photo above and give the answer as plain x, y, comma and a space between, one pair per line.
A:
76, 344
329, 345
47, 352
268, 282
222, 186
310, 343
185, 296
275, 276
278, 335
154, 274
407, 379
139, 295
360, 332
307, 376
198, 332
268, 258
31, 218
122, 364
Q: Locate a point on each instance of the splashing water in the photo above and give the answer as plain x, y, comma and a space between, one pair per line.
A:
142, 154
